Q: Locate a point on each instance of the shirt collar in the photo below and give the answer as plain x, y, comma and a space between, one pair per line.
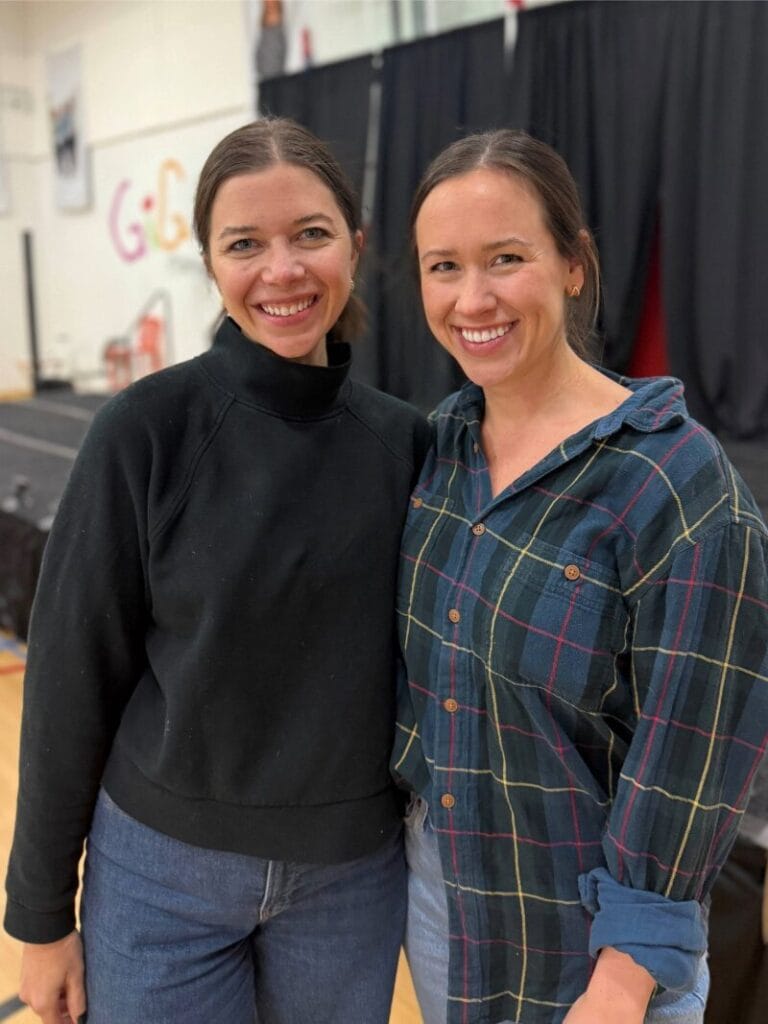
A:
655, 404
254, 374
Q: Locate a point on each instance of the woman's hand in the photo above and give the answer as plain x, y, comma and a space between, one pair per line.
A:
52, 979
618, 992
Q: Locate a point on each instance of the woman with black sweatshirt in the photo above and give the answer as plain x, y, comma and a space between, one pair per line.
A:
209, 695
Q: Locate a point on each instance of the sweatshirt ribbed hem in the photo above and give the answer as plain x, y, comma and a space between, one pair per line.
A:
319, 834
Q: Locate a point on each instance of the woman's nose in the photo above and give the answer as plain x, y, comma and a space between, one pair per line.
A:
282, 265
474, 296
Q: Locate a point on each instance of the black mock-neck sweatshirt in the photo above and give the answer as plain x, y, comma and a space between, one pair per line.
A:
213, 635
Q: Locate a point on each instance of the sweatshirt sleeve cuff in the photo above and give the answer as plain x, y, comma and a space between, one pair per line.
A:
37, 926
666, 937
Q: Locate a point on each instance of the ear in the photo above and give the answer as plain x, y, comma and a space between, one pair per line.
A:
576, 275
358, 243
576, 264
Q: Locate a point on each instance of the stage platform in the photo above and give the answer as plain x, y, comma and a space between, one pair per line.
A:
39, 438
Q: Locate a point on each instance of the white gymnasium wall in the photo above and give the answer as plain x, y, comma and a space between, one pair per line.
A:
16, 114
161, 83
106, 264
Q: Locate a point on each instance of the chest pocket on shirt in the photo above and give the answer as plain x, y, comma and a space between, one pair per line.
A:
558, 625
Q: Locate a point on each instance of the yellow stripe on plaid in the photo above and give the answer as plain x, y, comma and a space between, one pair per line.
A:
511, 894
696, 656
500, 995
653, 573
681, 799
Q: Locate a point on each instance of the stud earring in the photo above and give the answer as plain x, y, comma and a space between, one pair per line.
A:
351, 284
575, 292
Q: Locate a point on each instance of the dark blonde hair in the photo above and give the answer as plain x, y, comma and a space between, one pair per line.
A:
546, 173
258, 146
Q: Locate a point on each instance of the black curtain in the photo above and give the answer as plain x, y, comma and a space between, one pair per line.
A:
660, 110
332, 101
714, 212
588, 78
433, 91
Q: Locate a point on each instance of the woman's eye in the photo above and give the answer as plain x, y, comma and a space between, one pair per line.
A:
242, 245
507, 257
314, 234
442, 267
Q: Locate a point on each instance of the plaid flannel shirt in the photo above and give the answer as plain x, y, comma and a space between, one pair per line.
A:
586, 694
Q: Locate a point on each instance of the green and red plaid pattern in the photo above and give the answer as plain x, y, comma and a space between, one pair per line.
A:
587, 684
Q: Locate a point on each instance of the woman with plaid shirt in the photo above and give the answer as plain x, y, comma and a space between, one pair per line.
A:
583, 603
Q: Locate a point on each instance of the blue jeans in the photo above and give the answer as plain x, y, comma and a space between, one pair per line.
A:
426, 936
174, 932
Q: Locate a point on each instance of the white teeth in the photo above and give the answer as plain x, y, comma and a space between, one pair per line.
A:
295, 307
477, 337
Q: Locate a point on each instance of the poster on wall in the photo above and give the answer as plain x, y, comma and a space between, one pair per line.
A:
65, 107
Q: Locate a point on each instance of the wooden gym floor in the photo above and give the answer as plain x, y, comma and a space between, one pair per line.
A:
12, 655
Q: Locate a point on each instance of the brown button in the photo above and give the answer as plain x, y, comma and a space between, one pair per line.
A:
572, 572
417, 502
451, 705
454, 615
448, 800
478, 529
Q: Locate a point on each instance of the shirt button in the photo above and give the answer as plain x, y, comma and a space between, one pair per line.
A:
572, 572
478, 529
417, 502
454, 615
448, 800
476, 448
451, 705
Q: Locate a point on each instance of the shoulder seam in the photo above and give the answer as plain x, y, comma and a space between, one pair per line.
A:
398, 455
740, 514
192, 469
636, 592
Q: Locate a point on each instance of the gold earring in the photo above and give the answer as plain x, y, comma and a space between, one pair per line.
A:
575, 292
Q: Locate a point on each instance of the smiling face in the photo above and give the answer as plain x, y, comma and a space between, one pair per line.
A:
493, 283
282, 257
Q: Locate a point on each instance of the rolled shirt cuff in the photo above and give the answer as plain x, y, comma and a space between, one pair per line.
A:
666, 937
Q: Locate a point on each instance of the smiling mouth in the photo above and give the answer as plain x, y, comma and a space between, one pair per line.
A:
288, 309
482, 337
